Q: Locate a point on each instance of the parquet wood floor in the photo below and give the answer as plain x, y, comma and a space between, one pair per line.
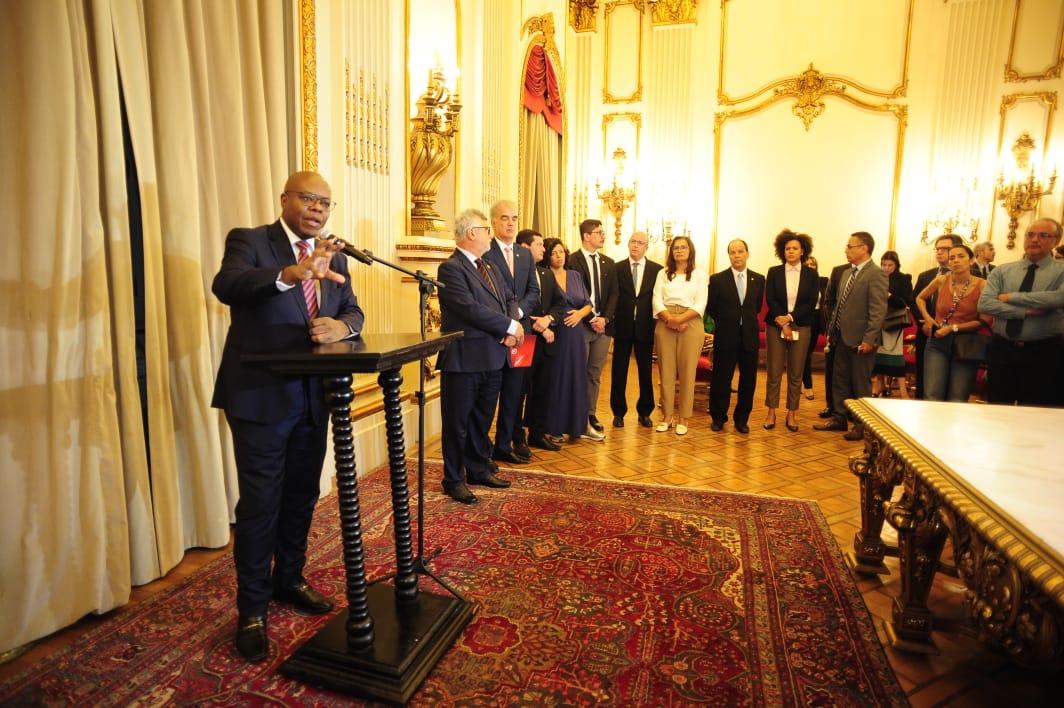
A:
807, 464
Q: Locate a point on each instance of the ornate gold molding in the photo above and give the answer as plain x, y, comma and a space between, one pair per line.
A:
607, 96
632, 117
808, 88
898, 91
899, 111
582, 15
1012, 75
308, 82
1009, 101
672, 12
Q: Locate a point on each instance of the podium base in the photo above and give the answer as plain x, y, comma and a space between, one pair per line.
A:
408, 641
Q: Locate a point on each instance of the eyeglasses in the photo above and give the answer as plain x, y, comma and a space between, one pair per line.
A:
600, 232
854, 245
309, 199
637, 243
942, 249
486, 228
1041, 234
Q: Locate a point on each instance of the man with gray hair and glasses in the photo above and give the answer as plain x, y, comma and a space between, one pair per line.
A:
1026, 300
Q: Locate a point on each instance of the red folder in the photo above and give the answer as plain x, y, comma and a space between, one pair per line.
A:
522, 356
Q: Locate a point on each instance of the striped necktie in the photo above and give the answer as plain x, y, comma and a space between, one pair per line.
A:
310, 293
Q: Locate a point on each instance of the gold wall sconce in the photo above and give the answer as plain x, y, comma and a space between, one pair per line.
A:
617, 197
431, 150
1025, 190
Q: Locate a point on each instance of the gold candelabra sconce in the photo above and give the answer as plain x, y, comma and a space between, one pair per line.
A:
953, 214
666, 229
1024, 192
431, 150
617, 197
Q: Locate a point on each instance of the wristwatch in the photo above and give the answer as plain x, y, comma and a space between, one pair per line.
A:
954, 328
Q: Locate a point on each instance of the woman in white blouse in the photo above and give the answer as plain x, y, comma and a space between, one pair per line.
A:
680, 294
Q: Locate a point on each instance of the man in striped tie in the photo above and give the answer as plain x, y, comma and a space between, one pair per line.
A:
855, 325
285, 289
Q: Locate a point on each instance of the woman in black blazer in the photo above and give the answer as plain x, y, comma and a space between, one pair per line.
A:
791, 292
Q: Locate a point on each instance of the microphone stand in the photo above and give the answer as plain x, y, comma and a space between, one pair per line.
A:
426, 286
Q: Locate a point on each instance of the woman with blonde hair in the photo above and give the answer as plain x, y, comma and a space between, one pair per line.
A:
680, 294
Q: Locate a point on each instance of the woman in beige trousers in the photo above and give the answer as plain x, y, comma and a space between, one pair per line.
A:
680, 294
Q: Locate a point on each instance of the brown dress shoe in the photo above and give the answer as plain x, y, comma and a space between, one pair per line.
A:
490, 480
460, 493
833, 424
856, 434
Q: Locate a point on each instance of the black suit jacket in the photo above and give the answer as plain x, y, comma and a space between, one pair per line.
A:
634, 317
263, 319
607, 282
901, 291
551, 302
523, 281
727, 313
804, 312
922, 281
978, 272
469, 305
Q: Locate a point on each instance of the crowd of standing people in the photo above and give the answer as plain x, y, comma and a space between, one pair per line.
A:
967, 315
539, 322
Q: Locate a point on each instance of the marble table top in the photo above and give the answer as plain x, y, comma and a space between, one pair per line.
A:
1011, 456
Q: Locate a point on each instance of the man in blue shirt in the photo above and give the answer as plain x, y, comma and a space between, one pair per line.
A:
1026, 300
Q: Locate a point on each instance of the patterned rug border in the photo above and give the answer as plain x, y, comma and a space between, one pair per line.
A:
677, 499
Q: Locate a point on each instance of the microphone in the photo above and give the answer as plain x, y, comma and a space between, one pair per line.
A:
357, 253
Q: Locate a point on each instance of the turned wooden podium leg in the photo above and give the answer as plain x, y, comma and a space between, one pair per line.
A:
386, 641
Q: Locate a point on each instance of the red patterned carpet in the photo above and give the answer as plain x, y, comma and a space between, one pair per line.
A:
589, 592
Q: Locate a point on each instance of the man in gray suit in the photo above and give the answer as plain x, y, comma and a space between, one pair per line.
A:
854, 329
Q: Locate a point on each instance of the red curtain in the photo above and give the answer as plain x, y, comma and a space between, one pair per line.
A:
541, 93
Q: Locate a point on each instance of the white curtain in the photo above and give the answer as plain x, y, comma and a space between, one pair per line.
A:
93, 502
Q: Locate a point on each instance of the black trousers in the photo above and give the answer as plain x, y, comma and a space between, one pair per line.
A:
724, 364
622, 356
1027, 373
278, 474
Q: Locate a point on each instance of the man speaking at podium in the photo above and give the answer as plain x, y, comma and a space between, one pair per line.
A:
285, 290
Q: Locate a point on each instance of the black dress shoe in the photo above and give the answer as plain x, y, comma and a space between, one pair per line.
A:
511, 457
742, 428
304, 598
460, 493
618, 421
645, 421
521, 449
716, 426
544, 444
490, 480
593, 421
826, 413
251, 639
833, 424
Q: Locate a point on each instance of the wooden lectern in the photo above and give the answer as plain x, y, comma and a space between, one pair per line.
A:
388, 638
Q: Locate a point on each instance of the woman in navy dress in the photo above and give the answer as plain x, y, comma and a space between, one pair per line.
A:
568, 411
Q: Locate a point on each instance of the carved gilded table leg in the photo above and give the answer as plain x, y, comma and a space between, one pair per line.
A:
879, 472
921, 535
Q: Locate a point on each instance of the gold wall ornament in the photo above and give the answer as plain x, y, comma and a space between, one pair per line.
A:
582, 15
898, 91
1053, 71
431, 150
809, 88
617, 197
308, 82
625, 6
672, 12
1024, 192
